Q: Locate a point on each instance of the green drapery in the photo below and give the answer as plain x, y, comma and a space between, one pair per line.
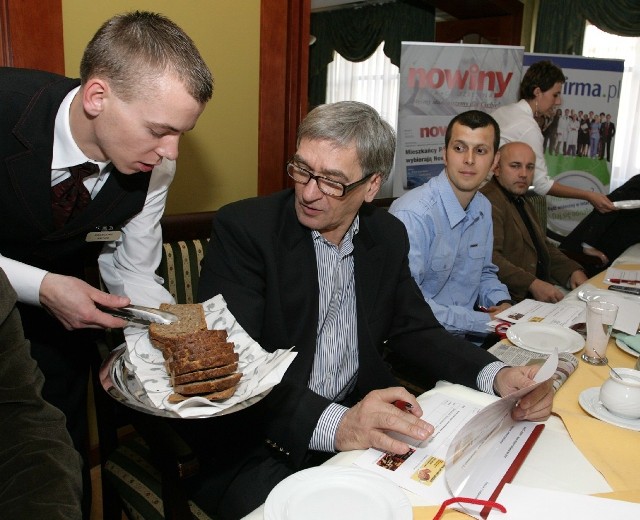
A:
560, 28
621, 17
356, 33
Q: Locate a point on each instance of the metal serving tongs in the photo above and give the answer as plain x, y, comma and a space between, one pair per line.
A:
139, 314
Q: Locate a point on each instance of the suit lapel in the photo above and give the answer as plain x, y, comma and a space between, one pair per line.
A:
298, 279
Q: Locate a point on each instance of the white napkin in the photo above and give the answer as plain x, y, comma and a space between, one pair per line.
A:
261, 370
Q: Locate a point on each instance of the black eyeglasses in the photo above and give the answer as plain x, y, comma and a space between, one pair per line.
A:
327, 186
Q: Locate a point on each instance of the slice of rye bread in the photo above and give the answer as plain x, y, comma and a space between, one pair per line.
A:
190, 319
202, 342
201, 375
177, 368
213, 396
195, 340
183, 356
208, 386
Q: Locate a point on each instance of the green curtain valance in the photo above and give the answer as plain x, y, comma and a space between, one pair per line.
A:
560, 27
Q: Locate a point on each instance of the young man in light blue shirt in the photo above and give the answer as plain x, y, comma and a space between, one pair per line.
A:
451, 231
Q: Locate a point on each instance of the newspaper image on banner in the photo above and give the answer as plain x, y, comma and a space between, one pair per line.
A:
438, 81
579, 138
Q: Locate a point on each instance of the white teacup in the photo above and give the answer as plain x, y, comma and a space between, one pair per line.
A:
622, 397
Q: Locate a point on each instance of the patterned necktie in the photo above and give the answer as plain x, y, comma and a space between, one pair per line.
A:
70, 197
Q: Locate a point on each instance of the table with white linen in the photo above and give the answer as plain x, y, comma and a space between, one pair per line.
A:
575, 453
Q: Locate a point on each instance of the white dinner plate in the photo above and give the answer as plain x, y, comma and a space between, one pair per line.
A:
627, 204
589, 399
543, 338
626, 348
337, 493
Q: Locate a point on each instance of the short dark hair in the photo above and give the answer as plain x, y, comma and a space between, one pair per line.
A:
133, 50
474, 119
543, 74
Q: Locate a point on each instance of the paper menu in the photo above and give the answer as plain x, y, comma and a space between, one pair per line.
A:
490, 448
529, 310
473, 451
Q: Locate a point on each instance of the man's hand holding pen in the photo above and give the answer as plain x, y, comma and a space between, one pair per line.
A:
366, 425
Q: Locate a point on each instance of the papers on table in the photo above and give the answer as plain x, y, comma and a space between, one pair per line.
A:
540, 312
472, 452
516, 356
625, 277
628, 318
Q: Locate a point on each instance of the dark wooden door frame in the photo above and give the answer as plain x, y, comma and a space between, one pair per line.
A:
284, 62
31, 34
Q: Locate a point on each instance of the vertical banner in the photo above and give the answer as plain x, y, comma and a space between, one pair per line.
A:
579, 139
438, 81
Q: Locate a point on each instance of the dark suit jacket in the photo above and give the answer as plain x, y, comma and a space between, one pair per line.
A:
39, 469
513, 250
263, 263
611, 232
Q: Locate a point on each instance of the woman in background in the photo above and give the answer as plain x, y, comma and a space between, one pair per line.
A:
540, 96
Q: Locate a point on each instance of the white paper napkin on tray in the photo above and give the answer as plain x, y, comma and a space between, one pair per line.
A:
261, 370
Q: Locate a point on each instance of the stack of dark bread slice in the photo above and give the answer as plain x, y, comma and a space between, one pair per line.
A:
199, 361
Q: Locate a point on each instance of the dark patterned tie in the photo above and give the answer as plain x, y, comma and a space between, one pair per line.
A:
70, 197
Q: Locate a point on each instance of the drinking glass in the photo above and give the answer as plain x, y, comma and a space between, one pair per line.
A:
600, 319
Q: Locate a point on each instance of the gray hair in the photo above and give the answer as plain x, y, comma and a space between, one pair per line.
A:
134, 50
346, 123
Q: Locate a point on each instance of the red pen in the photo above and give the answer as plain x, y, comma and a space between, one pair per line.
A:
620, 280
403, 405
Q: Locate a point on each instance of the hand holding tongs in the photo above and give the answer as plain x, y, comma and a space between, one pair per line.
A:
139, 314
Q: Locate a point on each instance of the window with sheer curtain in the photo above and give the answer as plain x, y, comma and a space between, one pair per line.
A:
625, 162
375, 81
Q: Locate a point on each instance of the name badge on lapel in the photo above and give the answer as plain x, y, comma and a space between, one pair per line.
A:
103, 234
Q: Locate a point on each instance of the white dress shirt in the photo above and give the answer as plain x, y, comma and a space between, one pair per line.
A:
128, 264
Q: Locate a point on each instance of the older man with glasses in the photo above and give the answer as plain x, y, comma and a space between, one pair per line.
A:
320, 269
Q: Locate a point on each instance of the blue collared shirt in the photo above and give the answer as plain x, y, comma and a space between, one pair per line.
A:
451, 251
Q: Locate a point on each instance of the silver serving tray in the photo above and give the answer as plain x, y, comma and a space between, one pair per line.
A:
124, 386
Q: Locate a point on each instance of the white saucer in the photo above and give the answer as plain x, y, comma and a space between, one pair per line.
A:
589, 399
544, 338
337, 493
624, 347
627, 204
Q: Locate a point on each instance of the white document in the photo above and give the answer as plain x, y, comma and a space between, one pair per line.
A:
470, 452
626, 277
527, 503
548, 313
